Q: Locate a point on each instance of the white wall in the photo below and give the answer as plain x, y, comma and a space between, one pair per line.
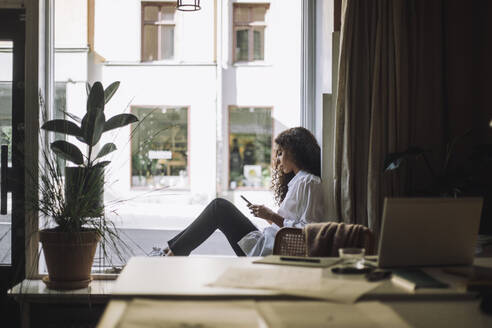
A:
325, 59
150, 85
71, 17
324, 30
70, 59
6, 61
190, 80
117, 29
118, 32
274, 83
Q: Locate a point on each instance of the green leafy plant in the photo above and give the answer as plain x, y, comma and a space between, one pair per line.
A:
445, 181
73, 199
91, 128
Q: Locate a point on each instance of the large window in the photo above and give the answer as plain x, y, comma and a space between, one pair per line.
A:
160, 147
249, 32
250, 147
158, 24
210, 91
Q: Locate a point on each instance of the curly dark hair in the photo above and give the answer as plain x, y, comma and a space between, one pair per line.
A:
304, 151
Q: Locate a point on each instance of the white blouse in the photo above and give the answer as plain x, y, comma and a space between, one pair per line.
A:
302, 204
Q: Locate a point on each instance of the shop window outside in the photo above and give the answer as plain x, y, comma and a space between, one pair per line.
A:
250, 147
159, 151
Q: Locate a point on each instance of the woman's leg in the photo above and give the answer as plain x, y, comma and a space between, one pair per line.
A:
219, 214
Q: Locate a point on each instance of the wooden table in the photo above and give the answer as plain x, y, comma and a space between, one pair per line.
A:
185, 278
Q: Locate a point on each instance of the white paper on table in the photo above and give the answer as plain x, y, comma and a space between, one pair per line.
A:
308, 314
204, 314
307, 282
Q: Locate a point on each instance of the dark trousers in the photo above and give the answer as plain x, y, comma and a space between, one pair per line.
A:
219, 214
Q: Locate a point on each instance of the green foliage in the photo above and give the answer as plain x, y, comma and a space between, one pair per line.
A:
91, 128
74, 200
467, 179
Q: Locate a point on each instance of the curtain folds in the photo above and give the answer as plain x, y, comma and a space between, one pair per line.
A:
389, 97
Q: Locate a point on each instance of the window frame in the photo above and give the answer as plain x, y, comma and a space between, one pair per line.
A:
188, 144
39, 18
160, 23
250, 26
271, 108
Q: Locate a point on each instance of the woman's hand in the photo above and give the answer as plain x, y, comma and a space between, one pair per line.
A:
263, 212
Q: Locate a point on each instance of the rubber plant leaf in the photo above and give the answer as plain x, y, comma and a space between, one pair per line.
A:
93, 121
106, 149
67, 151
119, 120
110, 90
92, 132
62, 126
102, 164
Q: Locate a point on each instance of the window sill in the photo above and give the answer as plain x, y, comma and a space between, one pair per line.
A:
244, 188
33, 289
252, 64
159, 63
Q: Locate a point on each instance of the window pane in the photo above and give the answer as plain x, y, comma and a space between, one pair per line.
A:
6, 67
150, 43
258, 13
241, 45
160, 148
59, 113
241, 14
250, 146
6, 115
258, 41
167, 13
151, 13
167, 42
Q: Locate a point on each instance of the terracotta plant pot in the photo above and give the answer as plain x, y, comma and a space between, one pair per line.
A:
69, 257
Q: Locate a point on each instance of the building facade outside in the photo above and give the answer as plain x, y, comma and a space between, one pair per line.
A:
212, 89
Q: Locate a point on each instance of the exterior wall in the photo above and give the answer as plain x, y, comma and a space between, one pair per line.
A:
187, 81
71, 54
118, 39
71, 23
5, 61
273, 83
201, 77
150, 85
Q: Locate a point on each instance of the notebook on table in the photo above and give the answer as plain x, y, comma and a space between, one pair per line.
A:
428, 231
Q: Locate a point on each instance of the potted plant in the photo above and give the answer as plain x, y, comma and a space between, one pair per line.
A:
455, 176
74, 200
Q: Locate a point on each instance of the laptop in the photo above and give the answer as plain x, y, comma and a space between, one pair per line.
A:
429, 231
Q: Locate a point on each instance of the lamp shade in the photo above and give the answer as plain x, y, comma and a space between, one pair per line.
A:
188, 5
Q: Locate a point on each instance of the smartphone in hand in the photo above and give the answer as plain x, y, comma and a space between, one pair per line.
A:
247, 201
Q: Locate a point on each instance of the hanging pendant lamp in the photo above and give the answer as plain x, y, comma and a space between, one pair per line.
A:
188, 5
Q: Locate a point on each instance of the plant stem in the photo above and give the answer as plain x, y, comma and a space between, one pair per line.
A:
429, 167
89, 164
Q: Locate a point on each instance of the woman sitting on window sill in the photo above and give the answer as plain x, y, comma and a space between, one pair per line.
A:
297, 188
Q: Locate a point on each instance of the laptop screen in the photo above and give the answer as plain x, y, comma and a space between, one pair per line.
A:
429, 231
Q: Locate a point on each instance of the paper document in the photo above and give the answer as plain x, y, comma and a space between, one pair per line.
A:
307, 282
325, 314
319, 262
204, 314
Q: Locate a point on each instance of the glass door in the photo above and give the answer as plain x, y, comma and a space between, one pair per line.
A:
12, 48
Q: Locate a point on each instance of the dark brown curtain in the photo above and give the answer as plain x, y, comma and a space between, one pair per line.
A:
390, 95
